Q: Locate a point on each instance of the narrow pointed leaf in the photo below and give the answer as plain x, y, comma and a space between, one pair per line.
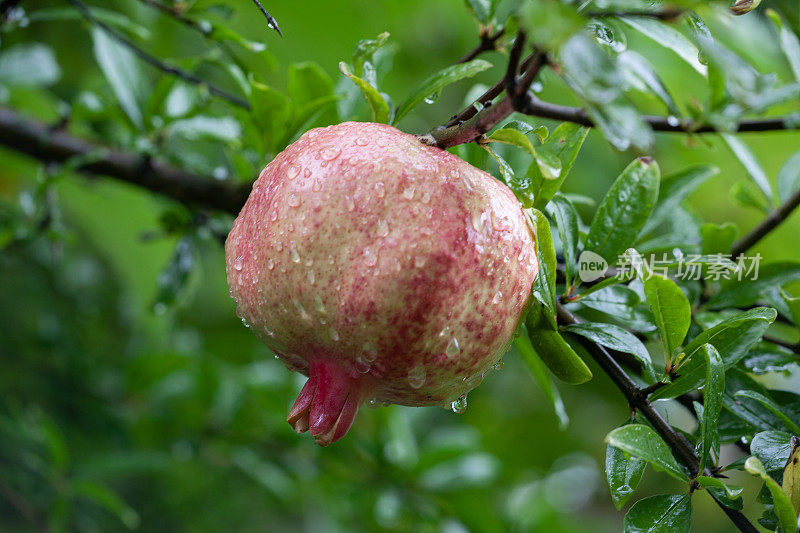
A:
644, 443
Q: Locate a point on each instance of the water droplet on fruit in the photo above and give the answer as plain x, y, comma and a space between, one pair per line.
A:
370, 354
273, 216
498, 297
362, 141
452, 349
307, 173
362, 365
238, 263
317, 186
330, 153
295, 254
269, 331
459, 405
426, 197
279, 246
417, 376
380, 190
383, 228
302, 310
370, 257
311, 277
419, 261
408, 192
498, 366
270, 263
334, 335
292, 171
293, 200
351, 205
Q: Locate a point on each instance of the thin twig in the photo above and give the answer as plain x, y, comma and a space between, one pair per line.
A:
683, 451
772, 221
177, 15
452, 136
487, 44
154, 61
669, 14
271, 22
46, 144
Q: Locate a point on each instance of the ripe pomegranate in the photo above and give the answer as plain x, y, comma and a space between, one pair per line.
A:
381, 268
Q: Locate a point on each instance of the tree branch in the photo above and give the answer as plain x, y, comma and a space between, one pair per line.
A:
487, 44
772, 221
484, 120
682, 450
40, 141
271, 22
154, 61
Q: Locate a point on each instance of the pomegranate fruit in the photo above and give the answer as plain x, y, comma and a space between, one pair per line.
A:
382, 268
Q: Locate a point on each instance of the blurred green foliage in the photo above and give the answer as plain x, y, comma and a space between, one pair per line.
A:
132, 397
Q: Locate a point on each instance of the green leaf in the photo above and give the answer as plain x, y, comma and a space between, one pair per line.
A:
624, 210
660, 514
112, 18
671, 309
791, 476
616, 338
790, 44
513, 137
788, 180
739, 293
745, 194
674, 189
271, 112
670, 38
546, 280
566, 217
616, 300
732, 338
123, 72
108, 499
643, 442
539, 372
225, 129
638, 71
746, 409
794, 307
748, 159
787, 517
772, 407
718, 239
482, 10
729, 495
773, 448
765, 357
712, 404
377, 104
29, 65
550, 23
508, 173
595, 78
308, 82
364, 50
623, 474
565, 143
431, 87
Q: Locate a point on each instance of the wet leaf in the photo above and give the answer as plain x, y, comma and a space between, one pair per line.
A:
643, 442
671, 309
437, 82
623, 474
624, 210
660, 514
538, 370
616, 338
712, 404
123, 72
787, 517
377, 104
566, 217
